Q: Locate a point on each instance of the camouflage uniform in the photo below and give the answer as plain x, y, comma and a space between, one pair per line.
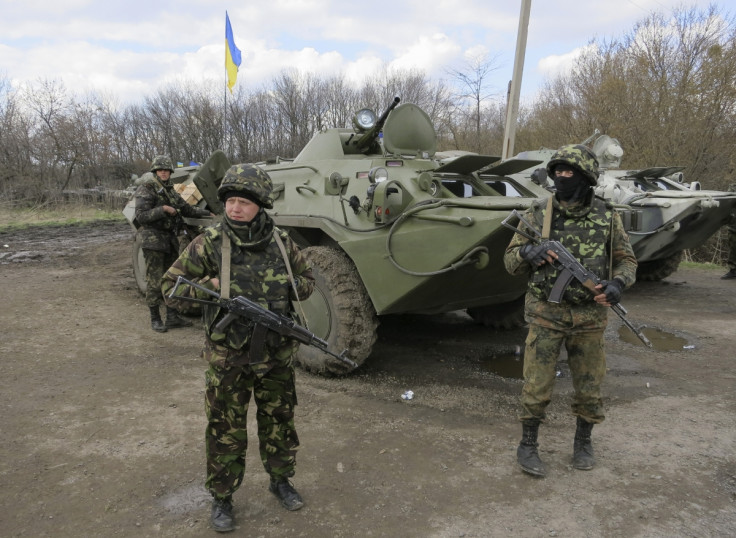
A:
236, 371
158, 231
587, 230
593, 232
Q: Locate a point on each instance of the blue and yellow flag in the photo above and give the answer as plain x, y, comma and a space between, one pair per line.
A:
232, 55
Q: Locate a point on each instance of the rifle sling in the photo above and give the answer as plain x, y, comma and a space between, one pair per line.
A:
282, 248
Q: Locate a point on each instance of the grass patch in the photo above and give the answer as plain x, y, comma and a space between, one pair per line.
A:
699, 265
14, 219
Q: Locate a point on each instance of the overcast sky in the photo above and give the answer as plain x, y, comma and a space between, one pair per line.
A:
128, 49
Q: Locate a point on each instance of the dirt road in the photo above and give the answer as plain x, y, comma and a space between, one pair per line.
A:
102, 419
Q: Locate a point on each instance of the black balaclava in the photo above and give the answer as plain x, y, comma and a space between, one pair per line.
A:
570, 189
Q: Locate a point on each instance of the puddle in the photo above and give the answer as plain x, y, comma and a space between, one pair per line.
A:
509, 364
661, 340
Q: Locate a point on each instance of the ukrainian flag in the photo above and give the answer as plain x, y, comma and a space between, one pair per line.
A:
232, 55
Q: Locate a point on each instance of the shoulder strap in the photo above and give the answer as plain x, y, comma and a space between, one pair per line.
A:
548, 219
282, 248
610, 250
225, 266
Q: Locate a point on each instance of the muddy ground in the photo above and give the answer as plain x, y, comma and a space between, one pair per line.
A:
102, 419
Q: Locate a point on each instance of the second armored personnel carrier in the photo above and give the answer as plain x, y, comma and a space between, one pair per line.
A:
663, 214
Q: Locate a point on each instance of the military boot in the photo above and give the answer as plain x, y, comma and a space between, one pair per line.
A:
222, 515
582, 451
173, 320
731, 274
527, 455
156, 323
284, 490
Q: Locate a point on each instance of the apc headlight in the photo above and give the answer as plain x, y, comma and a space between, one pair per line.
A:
377, 174
364, 119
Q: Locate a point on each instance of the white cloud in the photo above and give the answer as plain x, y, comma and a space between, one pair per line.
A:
428, 53
556, 64
130, 48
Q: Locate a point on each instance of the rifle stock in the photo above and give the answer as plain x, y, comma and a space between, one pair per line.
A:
243, 307
571, 269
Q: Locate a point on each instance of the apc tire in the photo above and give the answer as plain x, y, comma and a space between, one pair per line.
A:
338, 311
503, 316
657, 270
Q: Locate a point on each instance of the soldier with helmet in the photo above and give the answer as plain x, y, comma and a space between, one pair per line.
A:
246, 255
593, 232
158, 210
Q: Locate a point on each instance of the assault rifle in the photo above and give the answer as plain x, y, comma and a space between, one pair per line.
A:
179, 224
262, 317
570, 268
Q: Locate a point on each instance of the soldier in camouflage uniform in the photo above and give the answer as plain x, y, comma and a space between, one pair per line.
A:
593, 232
157, 211
240, 363
731, 260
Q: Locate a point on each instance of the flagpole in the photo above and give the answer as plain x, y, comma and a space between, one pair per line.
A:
224, 106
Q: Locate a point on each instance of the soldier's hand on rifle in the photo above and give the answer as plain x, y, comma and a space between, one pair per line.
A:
611, 291
170, 210
536, 254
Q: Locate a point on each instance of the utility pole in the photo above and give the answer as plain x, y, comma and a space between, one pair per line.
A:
512, 98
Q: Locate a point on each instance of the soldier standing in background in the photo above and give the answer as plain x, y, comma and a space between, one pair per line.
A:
158, 210
731, 260
246, 255
593, 232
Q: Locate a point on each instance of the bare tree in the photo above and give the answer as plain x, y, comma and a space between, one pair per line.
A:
666, 90
473, 92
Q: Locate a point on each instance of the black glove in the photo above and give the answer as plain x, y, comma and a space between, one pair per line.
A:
613, 290
534, 254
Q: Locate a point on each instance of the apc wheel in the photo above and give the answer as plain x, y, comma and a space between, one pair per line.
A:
139, 266
506, 316
338, 311
656, 270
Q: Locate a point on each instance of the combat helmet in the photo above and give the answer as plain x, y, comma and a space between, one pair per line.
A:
249, 180
162, 162
577, 156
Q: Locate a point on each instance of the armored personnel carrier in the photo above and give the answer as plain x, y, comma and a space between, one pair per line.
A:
662, 214
390, 227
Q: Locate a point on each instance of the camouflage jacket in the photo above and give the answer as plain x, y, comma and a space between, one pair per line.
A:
157, 229
593, 232
257, 271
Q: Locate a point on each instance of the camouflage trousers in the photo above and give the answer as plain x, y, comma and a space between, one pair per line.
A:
157, 263
227, 398
587, 360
